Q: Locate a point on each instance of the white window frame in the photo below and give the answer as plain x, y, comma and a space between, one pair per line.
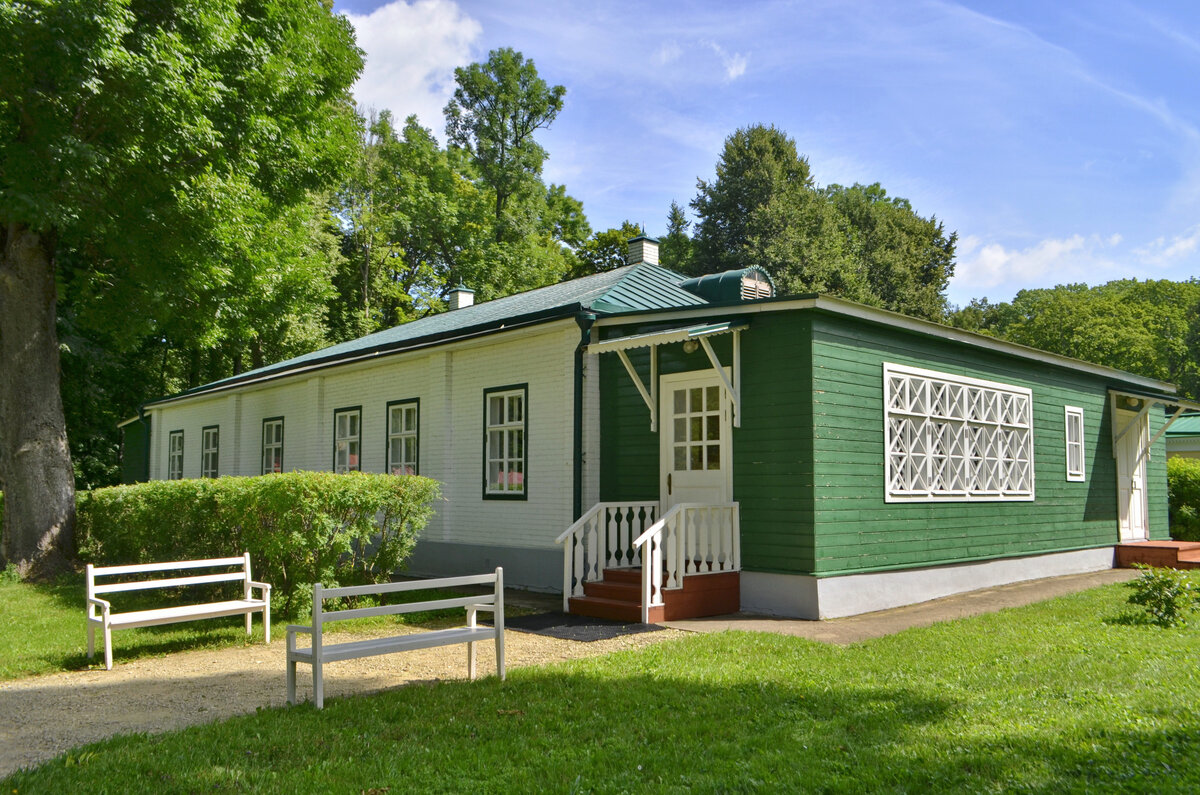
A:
347, 440
952, 438
402, 433
272, 446
1074, 473
210, 449
175, 455
510, 484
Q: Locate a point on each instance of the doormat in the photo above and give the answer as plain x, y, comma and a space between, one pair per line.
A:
571, 627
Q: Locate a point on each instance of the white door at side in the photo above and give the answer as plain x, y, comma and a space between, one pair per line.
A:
1131, 479
696, 464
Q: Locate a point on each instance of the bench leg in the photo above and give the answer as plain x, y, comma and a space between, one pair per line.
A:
471, 660
500, 652
91, 640
318, 685
248, 623
291, 681
107, 647
267, 624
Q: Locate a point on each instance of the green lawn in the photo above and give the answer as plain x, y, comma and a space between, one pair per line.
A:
1053, 697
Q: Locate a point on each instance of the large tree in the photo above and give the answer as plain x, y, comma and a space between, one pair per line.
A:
496, 109
764, 208
131, 133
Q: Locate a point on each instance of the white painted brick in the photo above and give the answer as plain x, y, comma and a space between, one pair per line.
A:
449, 381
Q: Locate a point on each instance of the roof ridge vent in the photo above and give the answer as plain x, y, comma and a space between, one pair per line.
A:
741, 284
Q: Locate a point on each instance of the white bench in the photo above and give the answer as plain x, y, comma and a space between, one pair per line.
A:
108, 620
319, 653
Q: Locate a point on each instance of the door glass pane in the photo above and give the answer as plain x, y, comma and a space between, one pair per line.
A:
680, 430
696, 457
714, 427
680, 459
696, 429
696, 399
714, 456
711, 398
680, 401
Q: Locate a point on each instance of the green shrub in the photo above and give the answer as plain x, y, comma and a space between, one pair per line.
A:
1183, 494
299, 527
1167, 595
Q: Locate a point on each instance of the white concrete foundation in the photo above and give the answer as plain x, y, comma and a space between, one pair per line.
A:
799, 596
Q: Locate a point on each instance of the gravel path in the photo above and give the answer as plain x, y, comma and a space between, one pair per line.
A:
43, 716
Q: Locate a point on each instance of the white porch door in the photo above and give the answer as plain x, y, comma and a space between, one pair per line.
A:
1131, 480
695, 458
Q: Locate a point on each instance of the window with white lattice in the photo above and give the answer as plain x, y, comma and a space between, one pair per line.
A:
1074, 434
950, 437
402, 437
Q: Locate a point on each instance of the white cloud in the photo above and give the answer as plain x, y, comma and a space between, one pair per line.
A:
1046, 263
668, 52
734, 63
1166, 251
411, 51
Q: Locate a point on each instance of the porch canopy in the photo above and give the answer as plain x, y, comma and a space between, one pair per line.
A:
1142, 402
697, 335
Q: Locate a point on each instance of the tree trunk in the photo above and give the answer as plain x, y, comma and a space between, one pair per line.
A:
38, 533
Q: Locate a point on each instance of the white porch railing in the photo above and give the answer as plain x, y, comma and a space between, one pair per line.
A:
602, 538
691, 538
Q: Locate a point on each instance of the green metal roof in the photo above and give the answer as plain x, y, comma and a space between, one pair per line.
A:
627, 289
1185, 426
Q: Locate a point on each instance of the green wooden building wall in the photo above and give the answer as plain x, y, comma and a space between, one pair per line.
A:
772, 450
809, 456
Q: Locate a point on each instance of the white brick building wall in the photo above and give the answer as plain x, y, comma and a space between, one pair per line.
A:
449, 380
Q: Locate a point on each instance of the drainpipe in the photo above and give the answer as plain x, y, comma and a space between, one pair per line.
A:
585, 321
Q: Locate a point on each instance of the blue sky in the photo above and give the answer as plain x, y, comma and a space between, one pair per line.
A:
1061, 140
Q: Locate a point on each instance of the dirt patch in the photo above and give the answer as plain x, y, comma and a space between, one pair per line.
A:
47, 715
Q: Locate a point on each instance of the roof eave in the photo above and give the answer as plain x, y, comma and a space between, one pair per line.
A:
387, 349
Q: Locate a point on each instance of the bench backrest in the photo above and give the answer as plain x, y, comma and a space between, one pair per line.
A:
320, 594
241, 575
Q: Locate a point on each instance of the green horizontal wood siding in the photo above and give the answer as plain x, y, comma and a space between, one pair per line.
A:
857, 530
772, 450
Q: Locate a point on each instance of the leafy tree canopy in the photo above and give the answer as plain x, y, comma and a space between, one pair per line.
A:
764, 208
1147, 327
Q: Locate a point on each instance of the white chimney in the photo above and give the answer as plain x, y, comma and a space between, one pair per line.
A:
460, 297
643, 249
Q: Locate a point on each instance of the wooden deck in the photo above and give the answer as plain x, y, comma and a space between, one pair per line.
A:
1165, 554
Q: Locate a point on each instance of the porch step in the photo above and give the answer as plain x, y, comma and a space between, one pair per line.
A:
1165, 554
613, 609
619, 597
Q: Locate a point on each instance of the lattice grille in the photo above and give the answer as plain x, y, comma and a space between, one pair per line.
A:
950, 437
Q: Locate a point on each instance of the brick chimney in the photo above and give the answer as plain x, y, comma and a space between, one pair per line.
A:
460, 297
642, 249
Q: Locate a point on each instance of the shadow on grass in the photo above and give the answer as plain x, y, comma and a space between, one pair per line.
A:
632, 722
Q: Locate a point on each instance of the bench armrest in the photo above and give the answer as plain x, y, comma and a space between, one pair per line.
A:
265, 586
100, 603
488, 607
293, 628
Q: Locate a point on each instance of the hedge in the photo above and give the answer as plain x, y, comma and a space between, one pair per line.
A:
1183, 495
299, 527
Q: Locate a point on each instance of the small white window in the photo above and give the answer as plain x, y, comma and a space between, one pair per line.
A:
175, 456
504, 442
402, 437
272, 446
347, 440
1074, 432
209, 448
